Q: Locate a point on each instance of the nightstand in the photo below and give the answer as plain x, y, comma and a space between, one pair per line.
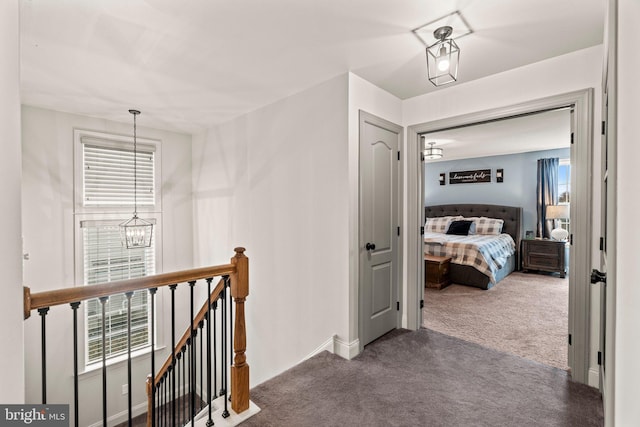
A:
544, 255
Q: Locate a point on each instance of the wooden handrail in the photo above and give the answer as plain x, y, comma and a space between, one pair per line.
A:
196, 321
81, 293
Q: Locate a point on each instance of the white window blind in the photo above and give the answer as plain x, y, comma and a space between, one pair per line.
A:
106, 260
108, 178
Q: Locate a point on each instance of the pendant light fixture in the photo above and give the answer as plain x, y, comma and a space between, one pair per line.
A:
135, 232
442, 58
432, 153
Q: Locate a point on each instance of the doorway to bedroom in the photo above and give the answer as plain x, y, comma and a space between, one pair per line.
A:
535, 313
521, 313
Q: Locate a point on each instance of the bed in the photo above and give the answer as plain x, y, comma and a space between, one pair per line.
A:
468, 274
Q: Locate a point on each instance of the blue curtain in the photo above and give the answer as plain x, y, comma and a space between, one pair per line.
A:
546, 193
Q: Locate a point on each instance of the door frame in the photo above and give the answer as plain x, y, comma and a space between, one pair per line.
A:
365, 117
581, 207
610, 144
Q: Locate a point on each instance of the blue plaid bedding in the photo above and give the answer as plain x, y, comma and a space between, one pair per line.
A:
487, 253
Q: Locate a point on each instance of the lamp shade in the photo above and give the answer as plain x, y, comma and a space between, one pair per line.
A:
557, 212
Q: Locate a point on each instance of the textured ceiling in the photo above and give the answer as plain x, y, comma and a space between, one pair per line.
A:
190, 64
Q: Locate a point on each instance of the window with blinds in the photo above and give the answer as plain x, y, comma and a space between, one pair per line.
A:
106, 260
105, 195
108, 174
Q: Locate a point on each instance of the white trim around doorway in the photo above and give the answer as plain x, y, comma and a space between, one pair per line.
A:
581, 218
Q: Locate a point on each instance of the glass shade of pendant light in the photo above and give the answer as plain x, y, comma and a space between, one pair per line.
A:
432, 153
442, 58
135, 232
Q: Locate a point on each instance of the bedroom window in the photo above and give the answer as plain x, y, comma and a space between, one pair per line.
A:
104, 195
564, 188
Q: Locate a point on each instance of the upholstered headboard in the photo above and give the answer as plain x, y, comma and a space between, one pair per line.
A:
511, 215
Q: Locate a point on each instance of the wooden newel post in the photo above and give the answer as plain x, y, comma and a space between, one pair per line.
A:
149, 399
240, 369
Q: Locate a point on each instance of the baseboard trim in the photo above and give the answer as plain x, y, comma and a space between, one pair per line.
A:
347, 350
338, 347
594, 378
328, 345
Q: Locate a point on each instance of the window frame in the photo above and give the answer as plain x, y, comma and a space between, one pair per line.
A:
98, 223
110, 213
113, 140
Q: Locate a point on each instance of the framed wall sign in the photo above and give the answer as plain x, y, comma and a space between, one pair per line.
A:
470, 177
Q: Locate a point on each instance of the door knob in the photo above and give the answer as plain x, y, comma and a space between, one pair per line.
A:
370, 246
598, 276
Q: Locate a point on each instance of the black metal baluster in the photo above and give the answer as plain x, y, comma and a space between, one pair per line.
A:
222, 342
43, 330
170, 381
158, 404
129, 404
74, 307
200, 326
173, 353
178, 357
103, 301
152, 293
164, 394
215, 348
184, 382
225, 413
230, 298
208, 318
192, 365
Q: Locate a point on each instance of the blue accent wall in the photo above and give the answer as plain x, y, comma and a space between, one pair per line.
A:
518, 188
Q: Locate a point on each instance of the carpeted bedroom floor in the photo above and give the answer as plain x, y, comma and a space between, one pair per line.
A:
424, 378
525, 314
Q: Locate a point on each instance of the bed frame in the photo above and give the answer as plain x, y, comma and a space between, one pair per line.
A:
512, 216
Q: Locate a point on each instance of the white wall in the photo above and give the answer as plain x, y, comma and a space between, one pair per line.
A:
574, 71
276, 182
48, 230
370, 98
11, 352
627, 342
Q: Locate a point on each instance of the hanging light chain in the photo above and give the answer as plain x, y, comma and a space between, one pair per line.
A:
135, 163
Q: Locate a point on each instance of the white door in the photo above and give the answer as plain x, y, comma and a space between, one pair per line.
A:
379, 226
605, 277
599, 277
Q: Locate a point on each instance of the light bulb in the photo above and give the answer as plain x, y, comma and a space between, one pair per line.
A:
443, 59
443, 64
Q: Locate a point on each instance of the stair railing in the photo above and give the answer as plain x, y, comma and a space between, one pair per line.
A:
162, 386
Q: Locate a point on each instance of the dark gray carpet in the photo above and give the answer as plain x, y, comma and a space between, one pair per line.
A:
424, 378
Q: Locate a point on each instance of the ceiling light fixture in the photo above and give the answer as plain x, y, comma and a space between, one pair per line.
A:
432, 153
135, 232
442, 58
